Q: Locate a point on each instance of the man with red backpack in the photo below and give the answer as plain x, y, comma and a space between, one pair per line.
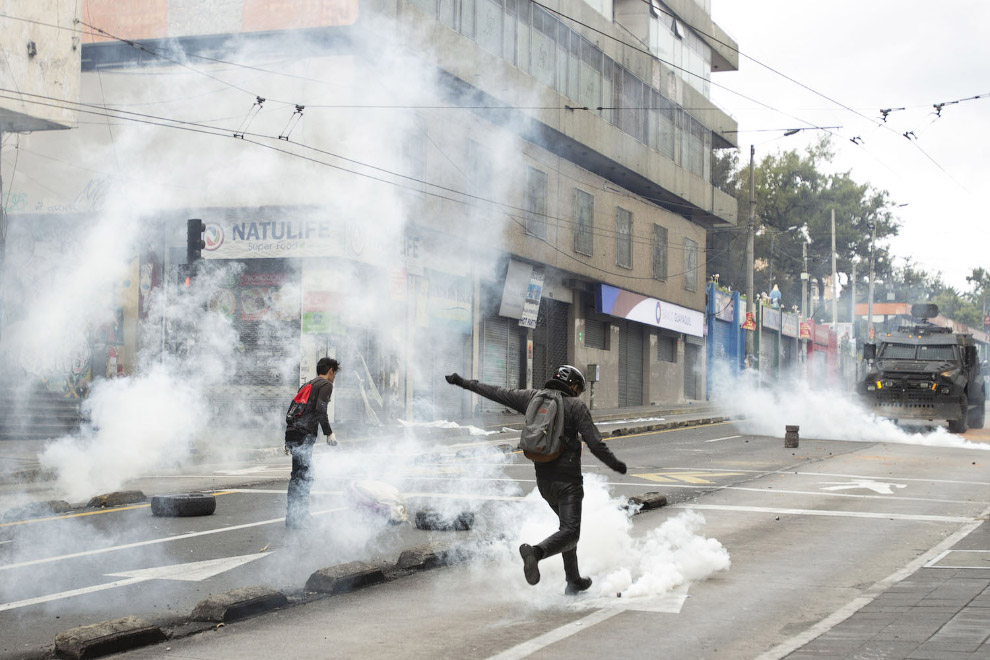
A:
559, 479
307, 411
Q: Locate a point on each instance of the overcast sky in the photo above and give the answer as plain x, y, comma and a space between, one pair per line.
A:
869, 55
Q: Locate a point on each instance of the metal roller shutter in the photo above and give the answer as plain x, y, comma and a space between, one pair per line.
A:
630, 364
549, 340
692, 355
501, 356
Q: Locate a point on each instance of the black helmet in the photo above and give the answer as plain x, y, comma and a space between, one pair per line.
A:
569, 376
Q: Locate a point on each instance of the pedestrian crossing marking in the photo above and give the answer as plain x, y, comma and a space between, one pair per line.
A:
685, 477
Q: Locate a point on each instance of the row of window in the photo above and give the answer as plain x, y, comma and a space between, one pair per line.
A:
537, 42
535, 205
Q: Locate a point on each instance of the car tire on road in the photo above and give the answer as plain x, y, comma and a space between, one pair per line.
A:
430, 519
183, 505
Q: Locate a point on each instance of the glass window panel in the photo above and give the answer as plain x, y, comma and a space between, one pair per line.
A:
623, 238
659, 252
544, 57
535, 202
523, 37
467, 18
446, 13
690, 265
584, 222
591, 75
897, 352
429, 6
489, 26
940, 353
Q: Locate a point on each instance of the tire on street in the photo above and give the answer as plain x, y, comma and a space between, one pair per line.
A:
430, 519
183, 505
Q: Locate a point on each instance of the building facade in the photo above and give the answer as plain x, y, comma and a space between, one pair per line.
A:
416, 187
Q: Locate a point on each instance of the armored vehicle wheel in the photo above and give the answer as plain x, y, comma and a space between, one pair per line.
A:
976, 416
957, 425
183, 505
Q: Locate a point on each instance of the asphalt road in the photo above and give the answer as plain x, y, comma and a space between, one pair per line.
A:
807, 530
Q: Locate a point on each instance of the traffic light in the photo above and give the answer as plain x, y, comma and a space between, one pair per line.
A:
195, 242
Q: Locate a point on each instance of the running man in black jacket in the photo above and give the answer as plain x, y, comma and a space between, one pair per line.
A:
300, 438
560, 481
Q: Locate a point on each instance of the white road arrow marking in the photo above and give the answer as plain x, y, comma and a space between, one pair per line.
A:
881, 487
190, 572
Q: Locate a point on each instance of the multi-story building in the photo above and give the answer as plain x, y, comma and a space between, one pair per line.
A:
492, 187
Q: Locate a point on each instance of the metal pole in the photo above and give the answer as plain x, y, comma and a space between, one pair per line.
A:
869, 299
750, 247
835, 280
804, 281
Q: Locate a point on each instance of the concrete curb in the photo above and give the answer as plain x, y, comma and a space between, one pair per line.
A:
116, 498
107, 637
335, 580
41, 509
238, 604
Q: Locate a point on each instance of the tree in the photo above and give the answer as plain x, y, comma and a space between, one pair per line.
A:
794, 199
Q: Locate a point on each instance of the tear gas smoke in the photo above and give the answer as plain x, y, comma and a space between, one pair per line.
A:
821, 412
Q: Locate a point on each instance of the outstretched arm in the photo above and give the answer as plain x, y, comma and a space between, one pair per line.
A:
515, 399
592, 438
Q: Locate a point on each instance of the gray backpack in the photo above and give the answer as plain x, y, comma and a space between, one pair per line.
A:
541, 436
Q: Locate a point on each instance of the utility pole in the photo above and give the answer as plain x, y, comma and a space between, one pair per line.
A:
804, 281
835, 280
750, 247
869, 299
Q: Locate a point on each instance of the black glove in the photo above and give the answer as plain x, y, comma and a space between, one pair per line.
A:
455, 379
620, 467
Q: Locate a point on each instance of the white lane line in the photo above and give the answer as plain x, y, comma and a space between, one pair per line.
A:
138, 544
68, 594
728, 437
815, 474
554, 636
821, 512
794, 643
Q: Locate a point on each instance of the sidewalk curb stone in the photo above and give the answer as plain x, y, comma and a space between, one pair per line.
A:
107, 637
238, 604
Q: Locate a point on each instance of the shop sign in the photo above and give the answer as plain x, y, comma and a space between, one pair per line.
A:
724, 309
531, 308
805, 330
643, 309
771, 318
789, 325
821, 334
516, 289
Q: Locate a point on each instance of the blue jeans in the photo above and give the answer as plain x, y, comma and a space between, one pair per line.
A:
300, 482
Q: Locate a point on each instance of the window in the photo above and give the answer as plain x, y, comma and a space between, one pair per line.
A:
940, 353
623, 238
596, 334
666, 348
659, 252
479, 175
690, 265
584, 222
535, 202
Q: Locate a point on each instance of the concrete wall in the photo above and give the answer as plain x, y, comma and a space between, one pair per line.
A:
39, 72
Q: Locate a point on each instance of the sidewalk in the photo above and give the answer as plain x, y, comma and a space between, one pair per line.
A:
20, 468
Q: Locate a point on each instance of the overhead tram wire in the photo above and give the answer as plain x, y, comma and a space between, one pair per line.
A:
559, 222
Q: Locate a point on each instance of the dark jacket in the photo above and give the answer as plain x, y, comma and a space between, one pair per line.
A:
315, 413
577, 421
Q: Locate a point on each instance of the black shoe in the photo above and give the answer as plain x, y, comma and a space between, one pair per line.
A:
574, 588
531, 563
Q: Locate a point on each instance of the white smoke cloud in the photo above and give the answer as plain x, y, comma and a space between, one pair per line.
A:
821, 413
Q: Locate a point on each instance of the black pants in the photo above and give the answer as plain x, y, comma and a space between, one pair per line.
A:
565, 500
300, 481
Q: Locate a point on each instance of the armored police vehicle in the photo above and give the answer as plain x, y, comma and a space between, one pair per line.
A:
925, 373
